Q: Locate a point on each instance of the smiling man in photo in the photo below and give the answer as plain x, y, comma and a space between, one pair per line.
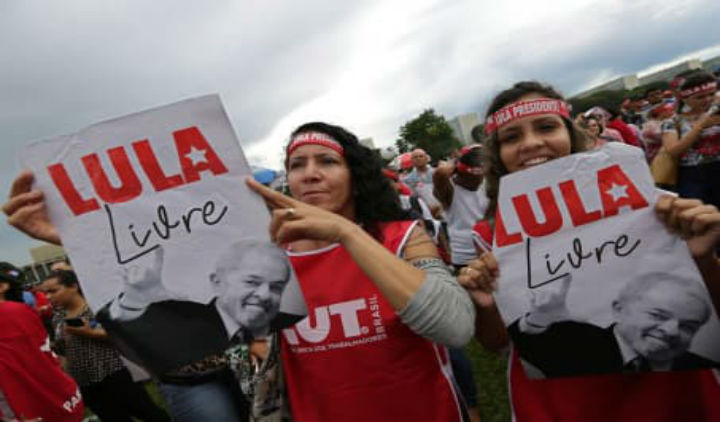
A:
655, 321
248, 282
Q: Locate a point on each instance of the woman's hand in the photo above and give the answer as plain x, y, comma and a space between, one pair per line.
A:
479, 278
294, 220
26, 210
707, 121
697, 223
259, 350
86, 330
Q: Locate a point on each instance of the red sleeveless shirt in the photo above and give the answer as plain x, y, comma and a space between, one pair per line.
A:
352, 358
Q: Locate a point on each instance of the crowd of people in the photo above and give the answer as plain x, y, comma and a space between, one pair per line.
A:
413, 246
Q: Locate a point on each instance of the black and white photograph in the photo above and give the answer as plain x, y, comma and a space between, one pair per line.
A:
616, 295
654, 322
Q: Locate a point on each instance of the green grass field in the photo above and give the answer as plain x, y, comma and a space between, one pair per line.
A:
490, 372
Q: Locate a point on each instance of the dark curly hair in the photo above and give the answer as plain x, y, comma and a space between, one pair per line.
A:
495, 169
696, 79
66, 278
14, 278
375, 200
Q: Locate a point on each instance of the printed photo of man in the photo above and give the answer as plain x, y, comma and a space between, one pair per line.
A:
162, 330
655, 319
248, 282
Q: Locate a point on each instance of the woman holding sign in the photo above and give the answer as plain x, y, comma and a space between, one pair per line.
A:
694, 137
382, 303
529, 125
380, 299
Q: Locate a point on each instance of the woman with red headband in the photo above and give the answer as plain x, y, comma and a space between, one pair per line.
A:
652, 128
381, 301
382, 304
458, 187
694, 139
528, 125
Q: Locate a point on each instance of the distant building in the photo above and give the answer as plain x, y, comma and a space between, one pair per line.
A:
463, 125
619, 84
669, 72
43, 257
712, 64
368, 142
629, 82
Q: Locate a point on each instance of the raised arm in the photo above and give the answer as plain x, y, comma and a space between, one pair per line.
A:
442, 186
677, 146
401, 281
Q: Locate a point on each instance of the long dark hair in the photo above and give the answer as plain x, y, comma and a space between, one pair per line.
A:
375, 200
495, 168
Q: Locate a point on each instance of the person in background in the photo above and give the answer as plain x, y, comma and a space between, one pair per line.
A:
652, 128
633, 114
105, 383
694, 138
616, 122
420, 179
416, 206
459, 189
477, 134
32, 384
422, 172
593, 126
602, 116
533, 140
654, 97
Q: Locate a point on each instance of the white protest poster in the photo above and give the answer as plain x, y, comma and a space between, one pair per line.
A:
170, 246
590, 280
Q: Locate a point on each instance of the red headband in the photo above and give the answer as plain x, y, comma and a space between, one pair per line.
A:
314, 138
662, 108
467, 148
521, 109
706, 87
464, 168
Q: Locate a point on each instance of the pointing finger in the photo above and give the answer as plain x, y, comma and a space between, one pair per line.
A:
272, 198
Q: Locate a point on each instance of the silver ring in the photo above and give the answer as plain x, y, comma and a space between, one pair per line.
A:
289, 212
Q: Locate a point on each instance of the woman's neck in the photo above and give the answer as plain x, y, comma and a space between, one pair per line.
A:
76, 306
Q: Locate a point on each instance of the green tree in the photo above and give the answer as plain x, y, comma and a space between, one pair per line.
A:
402, 145
429, 131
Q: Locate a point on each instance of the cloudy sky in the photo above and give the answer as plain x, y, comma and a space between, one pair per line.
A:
369, 65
